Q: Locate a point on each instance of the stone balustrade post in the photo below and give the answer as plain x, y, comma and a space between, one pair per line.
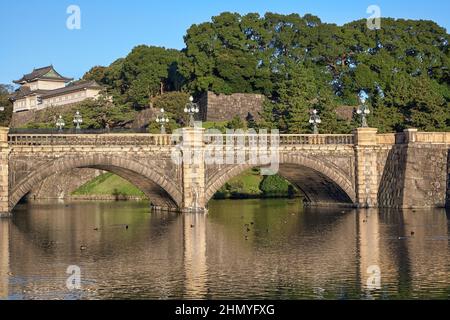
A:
4, 173
366, 167
410, 135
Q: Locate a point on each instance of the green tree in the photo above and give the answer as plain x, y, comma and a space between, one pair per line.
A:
276, 54
295, 96
145, 73
386, 119
5, 115
173, 104
299, 63
236, 123
96, 73
223, 55
275, 186
428, 109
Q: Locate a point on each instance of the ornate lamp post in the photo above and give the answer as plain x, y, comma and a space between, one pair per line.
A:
77, 120
363, 109
191, 108
314, 119
60, 123
162, 119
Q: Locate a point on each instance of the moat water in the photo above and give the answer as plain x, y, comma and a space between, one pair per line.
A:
263, 249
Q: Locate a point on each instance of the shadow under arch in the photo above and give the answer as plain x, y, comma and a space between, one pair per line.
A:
162, 192
320, 184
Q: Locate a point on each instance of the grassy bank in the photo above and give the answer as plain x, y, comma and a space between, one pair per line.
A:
242, 187
109, 184
251, 184
248, 185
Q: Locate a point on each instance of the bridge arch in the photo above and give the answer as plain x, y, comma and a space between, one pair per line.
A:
161, 191
320, 182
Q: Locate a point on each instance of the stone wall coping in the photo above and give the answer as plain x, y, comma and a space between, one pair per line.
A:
433, 137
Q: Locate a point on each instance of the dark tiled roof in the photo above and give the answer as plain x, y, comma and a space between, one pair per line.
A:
25, 91
77, 86
41, 73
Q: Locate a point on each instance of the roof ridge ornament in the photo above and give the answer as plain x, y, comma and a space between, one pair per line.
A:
39, 73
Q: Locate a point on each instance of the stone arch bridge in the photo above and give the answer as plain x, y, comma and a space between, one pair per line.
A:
364, 169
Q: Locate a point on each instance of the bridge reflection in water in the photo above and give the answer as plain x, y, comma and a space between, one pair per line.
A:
196, 270
4, 259
242, 249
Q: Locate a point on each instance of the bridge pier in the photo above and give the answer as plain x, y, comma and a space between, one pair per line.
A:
4, 173
194, 199
366, 167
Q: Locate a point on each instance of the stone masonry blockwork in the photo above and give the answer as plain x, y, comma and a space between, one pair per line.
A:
404, 170
222, 107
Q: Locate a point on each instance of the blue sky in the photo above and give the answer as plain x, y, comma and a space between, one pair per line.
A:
34, 33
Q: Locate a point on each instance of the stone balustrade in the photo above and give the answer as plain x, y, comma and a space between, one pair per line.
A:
293, 139
19, 139
282, 139
91, 139
167, 140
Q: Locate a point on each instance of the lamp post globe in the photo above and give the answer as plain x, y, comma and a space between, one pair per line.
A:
60, 123
363, 109
315, 120
191, 109
162, 120
77, 120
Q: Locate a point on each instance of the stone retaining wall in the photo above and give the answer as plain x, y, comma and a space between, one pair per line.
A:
391, 175
61, 185
222, 107
426, 173
447, 199
413, 176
